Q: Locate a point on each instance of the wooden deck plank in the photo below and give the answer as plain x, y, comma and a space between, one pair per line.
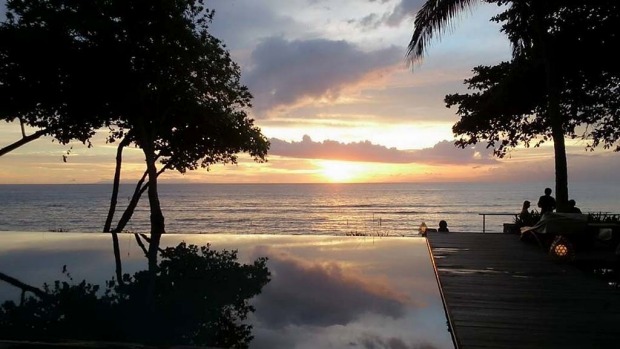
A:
502, 293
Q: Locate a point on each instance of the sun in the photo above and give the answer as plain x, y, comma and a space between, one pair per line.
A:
340, 171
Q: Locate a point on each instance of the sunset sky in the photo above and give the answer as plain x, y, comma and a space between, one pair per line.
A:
333, 93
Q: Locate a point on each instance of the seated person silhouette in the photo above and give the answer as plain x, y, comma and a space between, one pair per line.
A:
572, 208
443, 226
525, 217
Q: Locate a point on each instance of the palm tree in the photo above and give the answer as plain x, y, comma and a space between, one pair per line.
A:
529, 32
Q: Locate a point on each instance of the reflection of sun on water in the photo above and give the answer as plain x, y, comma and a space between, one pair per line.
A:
342, 171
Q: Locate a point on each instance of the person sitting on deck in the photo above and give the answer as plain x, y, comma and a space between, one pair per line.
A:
572, 208
525, 217
443, 226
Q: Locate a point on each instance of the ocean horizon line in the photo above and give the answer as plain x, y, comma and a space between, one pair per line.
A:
308, 208
165, 182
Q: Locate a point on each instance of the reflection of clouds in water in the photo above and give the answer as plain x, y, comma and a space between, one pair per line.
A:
311, 337
35, 267
38, 266
326, 292
381, 342
305, 293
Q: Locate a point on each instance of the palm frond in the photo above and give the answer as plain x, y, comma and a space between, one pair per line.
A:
433, 19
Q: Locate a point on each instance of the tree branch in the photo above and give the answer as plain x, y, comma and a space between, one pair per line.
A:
141, 244
24, 287
149, 241
23, 141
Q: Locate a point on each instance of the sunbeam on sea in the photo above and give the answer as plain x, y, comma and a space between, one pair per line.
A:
323, 209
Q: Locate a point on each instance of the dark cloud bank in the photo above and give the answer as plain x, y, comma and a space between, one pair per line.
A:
283, 72
442, 153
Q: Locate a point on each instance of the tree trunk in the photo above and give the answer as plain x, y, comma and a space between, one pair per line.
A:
112, 210
157, 219
129, 210
559, 147
137, 194
116, 184
541, 39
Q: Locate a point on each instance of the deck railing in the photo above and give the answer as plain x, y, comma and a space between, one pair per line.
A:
485, 214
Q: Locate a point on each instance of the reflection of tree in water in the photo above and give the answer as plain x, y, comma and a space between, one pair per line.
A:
202, 298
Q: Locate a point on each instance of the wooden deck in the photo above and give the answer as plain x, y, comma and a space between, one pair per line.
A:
499, 292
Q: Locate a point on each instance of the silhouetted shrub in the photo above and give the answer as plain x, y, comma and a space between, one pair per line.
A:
533, 218
603, 217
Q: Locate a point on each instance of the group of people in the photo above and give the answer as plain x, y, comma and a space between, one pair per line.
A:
546, 203
443, 228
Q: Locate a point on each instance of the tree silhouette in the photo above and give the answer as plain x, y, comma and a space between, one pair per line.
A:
167, 87
50, 80
539, 32
202, 298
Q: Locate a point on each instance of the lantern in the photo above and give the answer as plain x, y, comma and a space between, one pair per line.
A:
562, 249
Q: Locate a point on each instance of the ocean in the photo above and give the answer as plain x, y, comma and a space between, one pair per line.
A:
395, 209
328, 290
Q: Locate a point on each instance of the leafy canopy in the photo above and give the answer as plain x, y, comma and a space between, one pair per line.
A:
148, 70
509, 105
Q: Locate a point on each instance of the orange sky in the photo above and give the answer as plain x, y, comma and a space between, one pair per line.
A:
333, 93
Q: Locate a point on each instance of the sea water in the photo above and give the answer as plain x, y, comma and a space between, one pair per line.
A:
395, 209
354, 290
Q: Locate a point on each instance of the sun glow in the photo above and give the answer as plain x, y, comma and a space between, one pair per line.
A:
342, 171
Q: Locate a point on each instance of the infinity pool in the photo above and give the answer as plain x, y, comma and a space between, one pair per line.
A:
325, 292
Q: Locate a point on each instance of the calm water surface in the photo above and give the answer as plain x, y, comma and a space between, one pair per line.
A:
324, 209
326, 291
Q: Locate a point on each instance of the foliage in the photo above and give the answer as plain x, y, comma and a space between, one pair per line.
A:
141, 65
603, 217
553, 44
510, 103
68, 313
593, 217
529, 220
202, 299
50, 79
148, 70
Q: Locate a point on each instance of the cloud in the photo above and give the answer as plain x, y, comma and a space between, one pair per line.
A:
404, 10
304, 293
284, 72
441, 153
241, 23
